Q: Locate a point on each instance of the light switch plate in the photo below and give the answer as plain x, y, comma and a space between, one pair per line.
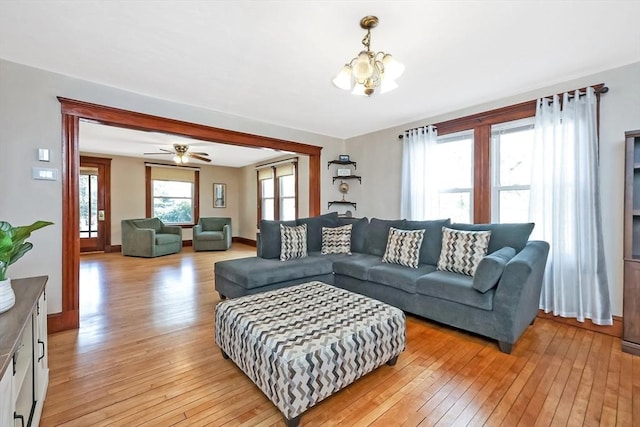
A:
47, 174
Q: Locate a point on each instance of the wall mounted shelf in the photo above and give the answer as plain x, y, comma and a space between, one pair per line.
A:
359, 178
343, 202
338, 162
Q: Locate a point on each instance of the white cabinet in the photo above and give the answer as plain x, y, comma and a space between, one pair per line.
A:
6, 399
41, 358
23, 355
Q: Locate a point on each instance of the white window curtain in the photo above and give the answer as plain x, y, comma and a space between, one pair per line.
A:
419, 190
565, 206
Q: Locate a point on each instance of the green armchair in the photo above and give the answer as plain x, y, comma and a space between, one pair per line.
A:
150, 237
212, 234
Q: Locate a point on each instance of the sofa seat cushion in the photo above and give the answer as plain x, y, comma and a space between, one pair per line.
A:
165, 239
211, 235
254, 272
398, 276
356, 265
454, 287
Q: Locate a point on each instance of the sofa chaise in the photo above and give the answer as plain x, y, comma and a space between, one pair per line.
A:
498, 300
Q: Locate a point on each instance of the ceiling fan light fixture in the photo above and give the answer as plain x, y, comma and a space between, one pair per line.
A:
369, 70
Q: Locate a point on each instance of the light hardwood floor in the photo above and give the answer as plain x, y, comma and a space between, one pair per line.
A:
145, 356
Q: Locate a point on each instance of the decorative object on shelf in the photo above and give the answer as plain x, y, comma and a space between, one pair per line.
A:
343, 157
369, 70
219, 195
13, 246
344, 189
344, 172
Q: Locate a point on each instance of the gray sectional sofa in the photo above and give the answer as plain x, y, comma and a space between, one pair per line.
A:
498, 302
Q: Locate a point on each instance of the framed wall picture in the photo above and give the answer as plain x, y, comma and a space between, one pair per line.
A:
219, 195
343, 157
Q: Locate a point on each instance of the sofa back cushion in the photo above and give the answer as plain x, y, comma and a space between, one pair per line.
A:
213, 223
153, 223
378, 233
514, 235
358, 232
432, 242
270, 241
314, 229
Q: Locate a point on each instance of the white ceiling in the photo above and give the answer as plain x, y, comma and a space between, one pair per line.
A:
273, 61
101, 139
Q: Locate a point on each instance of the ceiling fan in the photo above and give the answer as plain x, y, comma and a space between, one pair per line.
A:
181, 154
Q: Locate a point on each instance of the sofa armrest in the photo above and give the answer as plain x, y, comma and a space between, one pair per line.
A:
517, 296
138, 241
197, 229
226, 230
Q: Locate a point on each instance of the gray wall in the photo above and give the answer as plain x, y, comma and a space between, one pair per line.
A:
30, 119
380, 155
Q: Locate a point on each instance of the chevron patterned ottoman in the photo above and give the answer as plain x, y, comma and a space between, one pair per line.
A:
303, 343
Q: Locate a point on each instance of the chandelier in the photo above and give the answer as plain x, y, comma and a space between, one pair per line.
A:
369, 70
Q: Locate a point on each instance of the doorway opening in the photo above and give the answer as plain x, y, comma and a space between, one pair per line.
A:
72, 112
94, 201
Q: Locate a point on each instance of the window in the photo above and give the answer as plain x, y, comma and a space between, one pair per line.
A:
88, 191
173, 194
287, 187
512, 148
278, 192
173, 201
500, 164
267, 204
455, 153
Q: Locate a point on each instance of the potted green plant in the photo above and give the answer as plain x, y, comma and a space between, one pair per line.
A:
13, 246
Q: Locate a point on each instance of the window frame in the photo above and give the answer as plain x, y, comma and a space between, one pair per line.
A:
276, 190
195, 199
481, 124
496, 188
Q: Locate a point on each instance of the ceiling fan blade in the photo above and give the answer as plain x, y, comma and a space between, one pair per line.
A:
196, 156
164, 151
199, 153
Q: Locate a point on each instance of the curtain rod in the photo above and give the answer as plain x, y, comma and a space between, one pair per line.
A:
599, 90
279, 162
164, 165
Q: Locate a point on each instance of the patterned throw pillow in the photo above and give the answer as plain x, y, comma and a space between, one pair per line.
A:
403, 247
336, 240
462, 251
294, 242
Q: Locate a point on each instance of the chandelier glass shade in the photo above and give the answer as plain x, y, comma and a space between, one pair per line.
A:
369, 70
181, 158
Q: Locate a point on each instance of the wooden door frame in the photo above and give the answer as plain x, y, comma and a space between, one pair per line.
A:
72, 112
104, 193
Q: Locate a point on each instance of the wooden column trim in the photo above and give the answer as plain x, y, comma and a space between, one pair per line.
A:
72, 111
70, 318
482, 174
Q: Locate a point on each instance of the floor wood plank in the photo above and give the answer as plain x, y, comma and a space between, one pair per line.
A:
145, 356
